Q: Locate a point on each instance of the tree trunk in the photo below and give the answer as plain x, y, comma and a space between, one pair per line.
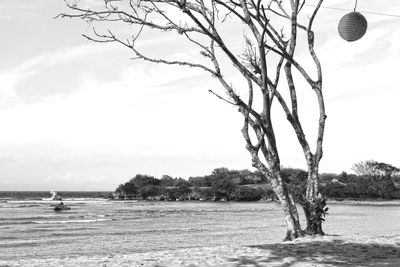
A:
313, 211
292, 219
314, 204
289, 208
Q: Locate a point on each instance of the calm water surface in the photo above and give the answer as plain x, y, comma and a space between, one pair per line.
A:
32, 229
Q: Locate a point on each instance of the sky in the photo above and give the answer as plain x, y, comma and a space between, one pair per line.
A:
78, 115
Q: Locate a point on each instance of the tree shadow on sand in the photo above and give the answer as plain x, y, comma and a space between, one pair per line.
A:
323, 253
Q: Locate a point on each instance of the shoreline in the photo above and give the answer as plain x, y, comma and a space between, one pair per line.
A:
330, 200
328, 250
349, 201
108, 195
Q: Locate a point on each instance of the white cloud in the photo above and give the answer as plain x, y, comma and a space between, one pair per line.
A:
60, 56
35, 77
130, 112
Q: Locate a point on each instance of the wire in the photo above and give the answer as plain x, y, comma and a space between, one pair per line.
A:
368, 12
355, 6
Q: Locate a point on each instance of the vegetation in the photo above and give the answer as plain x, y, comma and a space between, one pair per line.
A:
244, 185
221, 184
375, 168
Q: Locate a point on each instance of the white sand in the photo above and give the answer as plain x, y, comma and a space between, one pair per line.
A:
309, 251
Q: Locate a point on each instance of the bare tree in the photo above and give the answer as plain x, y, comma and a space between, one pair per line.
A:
273, 30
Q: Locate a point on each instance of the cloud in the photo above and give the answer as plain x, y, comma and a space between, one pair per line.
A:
362, 92
25, 10
143, 113
61, 72
58, 72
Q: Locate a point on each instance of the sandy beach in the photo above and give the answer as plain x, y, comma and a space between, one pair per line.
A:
326, 250
108, 233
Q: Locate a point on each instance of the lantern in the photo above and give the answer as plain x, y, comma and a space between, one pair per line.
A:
352, 26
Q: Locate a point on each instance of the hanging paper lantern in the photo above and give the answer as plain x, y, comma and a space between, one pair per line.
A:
352, 26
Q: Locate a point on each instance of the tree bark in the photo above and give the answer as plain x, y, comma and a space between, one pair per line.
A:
289, 208
314, 204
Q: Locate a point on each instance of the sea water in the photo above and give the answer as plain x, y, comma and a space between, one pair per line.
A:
31, 229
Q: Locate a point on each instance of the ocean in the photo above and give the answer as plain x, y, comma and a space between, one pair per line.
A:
96, 226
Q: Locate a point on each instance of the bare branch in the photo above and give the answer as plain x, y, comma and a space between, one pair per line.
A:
222, 98
102, 38
310, 39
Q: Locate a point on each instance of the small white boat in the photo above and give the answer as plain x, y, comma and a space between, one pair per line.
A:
54, 196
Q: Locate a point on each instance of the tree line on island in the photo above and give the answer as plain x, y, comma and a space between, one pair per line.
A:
372, 179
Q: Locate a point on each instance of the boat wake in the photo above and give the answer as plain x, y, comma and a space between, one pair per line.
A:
71, 221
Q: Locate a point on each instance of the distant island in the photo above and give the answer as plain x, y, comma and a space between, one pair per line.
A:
374, 180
